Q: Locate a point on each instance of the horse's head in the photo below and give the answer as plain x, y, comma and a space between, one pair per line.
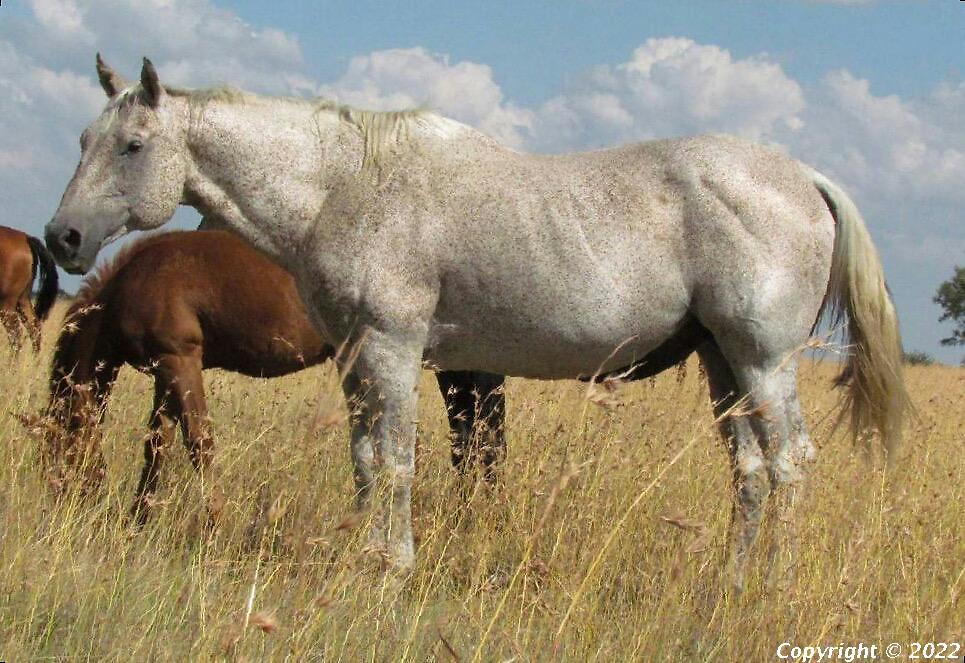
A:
131, 173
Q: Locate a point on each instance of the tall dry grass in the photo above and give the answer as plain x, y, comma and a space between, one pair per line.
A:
607, 540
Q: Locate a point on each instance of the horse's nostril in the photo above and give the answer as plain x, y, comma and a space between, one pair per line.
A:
71, 238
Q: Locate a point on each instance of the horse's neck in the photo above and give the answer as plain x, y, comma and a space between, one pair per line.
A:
263, 170
76, 357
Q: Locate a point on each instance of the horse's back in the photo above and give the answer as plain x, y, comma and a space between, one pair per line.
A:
568, 257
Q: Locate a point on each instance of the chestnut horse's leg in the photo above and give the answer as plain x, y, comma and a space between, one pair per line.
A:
10, 319
191, 410
476, 406
25, 310
162, 434
105, 375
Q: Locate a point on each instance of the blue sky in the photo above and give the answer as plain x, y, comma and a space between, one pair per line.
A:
535, 47
870, 92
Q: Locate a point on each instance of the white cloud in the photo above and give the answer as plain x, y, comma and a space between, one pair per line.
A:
886, 149
193, 41
407, 78
671, 86
40, 108
61, 17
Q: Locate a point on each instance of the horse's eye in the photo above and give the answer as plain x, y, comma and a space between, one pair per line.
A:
133, 147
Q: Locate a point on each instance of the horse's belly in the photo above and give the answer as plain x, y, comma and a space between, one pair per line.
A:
541, 324
549, 352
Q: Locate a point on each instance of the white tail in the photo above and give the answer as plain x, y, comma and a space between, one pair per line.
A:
857, 293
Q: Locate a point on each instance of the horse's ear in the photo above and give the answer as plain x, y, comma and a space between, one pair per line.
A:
111, 81
153, 92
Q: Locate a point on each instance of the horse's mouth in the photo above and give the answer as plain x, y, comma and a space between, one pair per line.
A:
118, 232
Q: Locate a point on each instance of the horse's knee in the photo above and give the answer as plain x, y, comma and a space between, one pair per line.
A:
753, 487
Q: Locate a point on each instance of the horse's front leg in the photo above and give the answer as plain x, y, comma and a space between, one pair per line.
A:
363, 455
183, 374
383, 382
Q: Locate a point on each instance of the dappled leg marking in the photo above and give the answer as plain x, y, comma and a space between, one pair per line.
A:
362, 452
391, 372
776, 419
751, 482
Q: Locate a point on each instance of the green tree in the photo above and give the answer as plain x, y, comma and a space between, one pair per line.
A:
951, 297
919, 358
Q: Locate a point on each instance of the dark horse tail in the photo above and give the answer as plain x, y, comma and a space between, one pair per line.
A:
43, 262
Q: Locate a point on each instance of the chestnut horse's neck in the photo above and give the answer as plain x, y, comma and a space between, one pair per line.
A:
78, 357
82, 368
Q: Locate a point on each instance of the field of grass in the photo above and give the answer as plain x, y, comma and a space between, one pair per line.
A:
607, 539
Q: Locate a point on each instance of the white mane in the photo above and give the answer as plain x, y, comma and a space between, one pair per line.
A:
380, 130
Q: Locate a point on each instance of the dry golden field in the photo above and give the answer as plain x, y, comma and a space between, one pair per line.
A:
606, 541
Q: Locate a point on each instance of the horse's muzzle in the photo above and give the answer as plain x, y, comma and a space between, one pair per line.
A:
64, 243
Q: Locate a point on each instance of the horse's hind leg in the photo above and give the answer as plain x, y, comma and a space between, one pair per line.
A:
781, 426
159, 438
788, 470
11, 322
490, 425
751, 482
775, 415
28, 317
476, 407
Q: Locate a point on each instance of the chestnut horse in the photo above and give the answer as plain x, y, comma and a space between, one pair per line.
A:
21, 257
174, 304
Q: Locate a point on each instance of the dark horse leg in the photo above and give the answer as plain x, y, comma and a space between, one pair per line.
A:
751, 484
476, 406
162, 429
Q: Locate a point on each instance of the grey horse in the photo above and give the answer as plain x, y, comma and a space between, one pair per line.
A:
420, 241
